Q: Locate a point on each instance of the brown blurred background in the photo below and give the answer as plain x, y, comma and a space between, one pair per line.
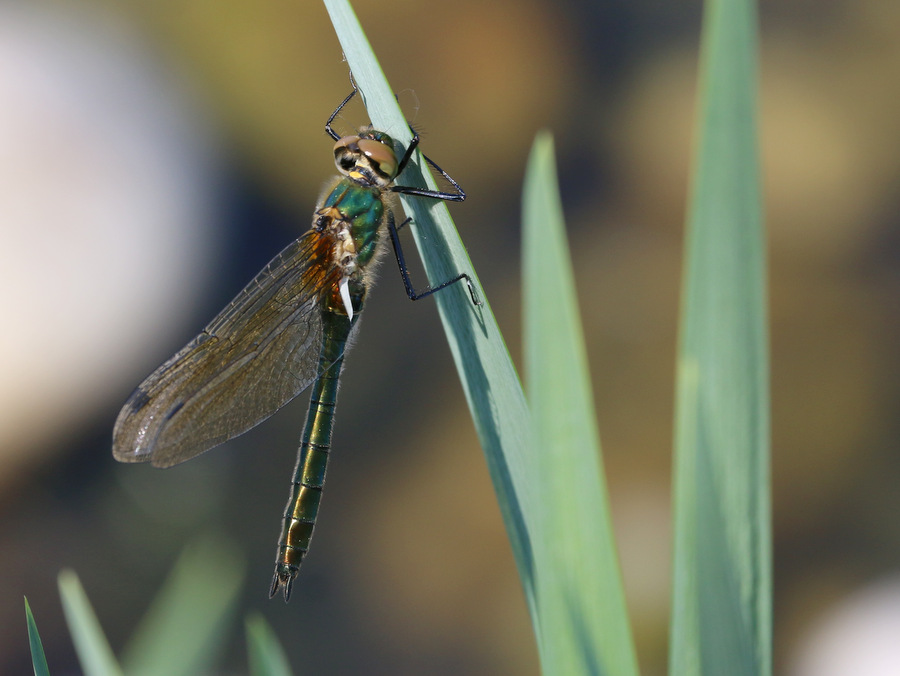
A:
153, 156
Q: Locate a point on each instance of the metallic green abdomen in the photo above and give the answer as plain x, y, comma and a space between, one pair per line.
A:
309, 475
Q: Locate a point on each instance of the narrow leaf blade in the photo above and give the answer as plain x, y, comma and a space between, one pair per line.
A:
184, 627
38, 659
581, 600
94, 653
266, 655
489, 379
722, 569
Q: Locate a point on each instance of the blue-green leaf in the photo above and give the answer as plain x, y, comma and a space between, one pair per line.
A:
581, 602
721, 606
38, 659
183, 630
490, 382
94, 653
266, 655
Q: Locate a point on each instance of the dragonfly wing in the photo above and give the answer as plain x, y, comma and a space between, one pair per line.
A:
260, 352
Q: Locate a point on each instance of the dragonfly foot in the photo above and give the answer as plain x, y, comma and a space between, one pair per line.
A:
475, 300
284, 577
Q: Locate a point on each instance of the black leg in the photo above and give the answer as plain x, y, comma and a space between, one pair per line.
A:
393, 229
409, 151
458, 196
337, 110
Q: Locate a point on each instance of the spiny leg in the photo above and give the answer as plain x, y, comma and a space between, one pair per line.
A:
328, 130
393, 229
458, 196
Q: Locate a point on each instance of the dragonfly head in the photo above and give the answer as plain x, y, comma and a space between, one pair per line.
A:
367, 158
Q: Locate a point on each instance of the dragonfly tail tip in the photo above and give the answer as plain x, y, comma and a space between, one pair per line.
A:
283, 579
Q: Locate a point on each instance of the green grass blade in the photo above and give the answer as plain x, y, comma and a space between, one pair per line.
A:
721, 617
94, 653
581, 601
183, 630
490, 382
38, 659
266, 655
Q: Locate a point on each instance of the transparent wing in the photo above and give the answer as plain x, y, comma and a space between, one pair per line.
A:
260, 352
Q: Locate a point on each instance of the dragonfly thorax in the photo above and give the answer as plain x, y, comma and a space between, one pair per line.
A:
368, 158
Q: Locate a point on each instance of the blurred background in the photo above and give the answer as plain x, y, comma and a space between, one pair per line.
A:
154, 156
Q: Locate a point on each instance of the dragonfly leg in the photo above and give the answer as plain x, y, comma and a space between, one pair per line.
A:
393, 229
458, 196
328, 130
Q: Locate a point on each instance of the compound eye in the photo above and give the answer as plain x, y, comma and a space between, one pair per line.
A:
381, 156
347, 153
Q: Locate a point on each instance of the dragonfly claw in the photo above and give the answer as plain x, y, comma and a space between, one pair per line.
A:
284, 577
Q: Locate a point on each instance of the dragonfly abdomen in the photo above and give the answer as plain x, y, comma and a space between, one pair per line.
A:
309, 475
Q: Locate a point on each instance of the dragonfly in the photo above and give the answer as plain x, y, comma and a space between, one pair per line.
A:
287, 330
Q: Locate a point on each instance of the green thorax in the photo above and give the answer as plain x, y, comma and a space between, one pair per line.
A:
363, 207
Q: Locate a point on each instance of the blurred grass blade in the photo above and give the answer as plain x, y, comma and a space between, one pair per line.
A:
38, 659
489, 380
183, 630
721, 617
581, 601
94, 653
266, 655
